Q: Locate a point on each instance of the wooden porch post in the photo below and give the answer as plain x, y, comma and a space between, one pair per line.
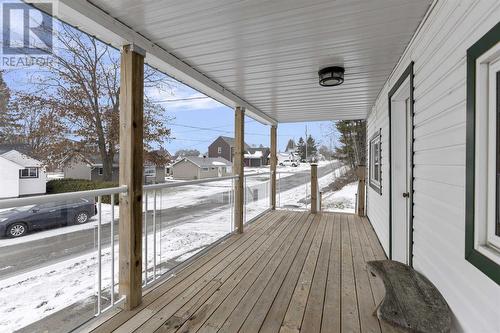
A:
361, 172
273, 163
238, 167
314, 188
131, 165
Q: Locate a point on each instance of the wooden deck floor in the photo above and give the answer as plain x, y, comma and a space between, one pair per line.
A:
289, 272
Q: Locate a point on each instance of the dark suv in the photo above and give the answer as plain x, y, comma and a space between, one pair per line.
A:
18, 221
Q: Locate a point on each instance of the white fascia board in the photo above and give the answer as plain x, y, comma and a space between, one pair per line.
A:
98, 23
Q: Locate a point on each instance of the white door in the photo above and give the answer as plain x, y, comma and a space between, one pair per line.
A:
400, 174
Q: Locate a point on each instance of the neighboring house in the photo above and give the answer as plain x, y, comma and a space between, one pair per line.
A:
256, 157
291, 146
223, 147
155, 166
191, 167
21, 175
88, 167
79, 166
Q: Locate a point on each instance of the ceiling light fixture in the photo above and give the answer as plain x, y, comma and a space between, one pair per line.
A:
331, 76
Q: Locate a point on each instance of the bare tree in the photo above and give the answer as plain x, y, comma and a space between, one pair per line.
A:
39, 127
83, 84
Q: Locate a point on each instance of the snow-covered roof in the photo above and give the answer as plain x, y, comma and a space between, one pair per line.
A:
256, 154
21, 159
206, 161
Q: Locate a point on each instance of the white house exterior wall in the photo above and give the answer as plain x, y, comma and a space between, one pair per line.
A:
9, 180
30, 186
439, 53
77, 170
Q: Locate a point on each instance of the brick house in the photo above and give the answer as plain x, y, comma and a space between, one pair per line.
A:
223, 147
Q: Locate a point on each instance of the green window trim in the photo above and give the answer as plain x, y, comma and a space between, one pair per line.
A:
476, 258
377, 136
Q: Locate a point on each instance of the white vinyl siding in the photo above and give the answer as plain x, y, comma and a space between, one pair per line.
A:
439, 52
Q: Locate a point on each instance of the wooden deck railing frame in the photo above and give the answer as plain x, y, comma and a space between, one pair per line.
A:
238, 168
131, 171
273, 164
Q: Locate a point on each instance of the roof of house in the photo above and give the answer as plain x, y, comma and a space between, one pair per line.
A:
291, 144
91, 159
204, 162
20, 147
257, 152
153, 157
21, 159
230, 141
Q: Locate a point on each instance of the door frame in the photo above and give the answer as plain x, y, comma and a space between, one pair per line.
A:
408, 73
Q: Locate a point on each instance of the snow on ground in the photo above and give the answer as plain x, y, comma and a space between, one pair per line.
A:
31, 296
294, 198
55, 175
342, 200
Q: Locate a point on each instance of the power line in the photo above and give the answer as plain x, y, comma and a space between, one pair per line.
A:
218, 130
180, 99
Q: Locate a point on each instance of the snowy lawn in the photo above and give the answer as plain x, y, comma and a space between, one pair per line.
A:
342, 200
31, 296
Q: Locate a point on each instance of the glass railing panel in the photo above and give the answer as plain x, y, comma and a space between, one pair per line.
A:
181, 221
257, 195
58, 261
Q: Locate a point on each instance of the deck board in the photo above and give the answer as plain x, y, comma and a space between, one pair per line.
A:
289, 272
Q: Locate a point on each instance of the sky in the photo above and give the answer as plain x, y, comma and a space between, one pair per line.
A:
197, 120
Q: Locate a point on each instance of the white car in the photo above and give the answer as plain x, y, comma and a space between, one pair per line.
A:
290, 163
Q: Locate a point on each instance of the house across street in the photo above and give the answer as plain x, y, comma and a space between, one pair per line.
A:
193, 167
22, 175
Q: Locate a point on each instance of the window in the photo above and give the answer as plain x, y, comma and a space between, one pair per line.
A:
28, 173
100, 171
375, 170
482, 228
149, 171
219, 150
204, 169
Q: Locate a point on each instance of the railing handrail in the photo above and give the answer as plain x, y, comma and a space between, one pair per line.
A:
307, 171
258, 174
186, 183
39, 199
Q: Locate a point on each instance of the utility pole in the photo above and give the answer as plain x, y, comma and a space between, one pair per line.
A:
306, 143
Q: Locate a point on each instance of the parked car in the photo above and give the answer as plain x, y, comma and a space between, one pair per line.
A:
290, 163
19, 221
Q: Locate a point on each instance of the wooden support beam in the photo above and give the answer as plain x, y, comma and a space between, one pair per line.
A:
131, 170
273, 164
238, 167
314, 188
361, 172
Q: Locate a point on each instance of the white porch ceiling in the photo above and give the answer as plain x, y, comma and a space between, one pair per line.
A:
268, 52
